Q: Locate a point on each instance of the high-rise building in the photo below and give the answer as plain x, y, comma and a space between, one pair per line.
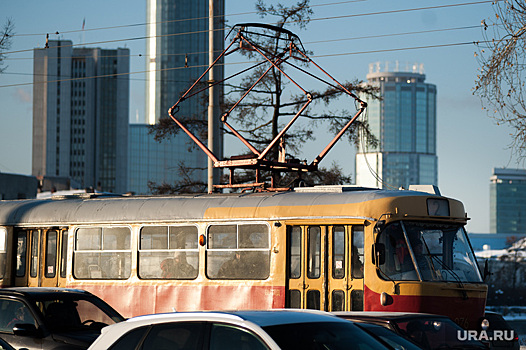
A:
80, 114
404, 122
177, 48
508, 201
152, 161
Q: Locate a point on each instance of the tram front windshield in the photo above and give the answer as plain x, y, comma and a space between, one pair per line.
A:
427, 252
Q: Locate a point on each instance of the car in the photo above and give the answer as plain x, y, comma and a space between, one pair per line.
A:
385, 335
52, 318
427, 330
5, 346
519, 326
500, 335
248, 330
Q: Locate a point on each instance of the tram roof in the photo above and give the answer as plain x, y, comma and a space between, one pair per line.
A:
114, 209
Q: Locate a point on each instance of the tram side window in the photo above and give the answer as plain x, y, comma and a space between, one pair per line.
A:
357, 258
21, 251
102, 253
398, 264
64, 253
295, 252
314, 252
338, 252
51, 254
238, 251
3, 251
35, 243
169, 252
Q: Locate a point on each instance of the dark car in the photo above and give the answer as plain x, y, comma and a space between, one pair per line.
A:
53, 318
388, 337
499, 334
427, 330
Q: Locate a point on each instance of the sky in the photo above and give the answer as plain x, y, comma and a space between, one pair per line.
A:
344, 36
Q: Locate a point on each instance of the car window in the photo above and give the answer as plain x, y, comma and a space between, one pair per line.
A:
130, 340
14, 312
175, 336
435, 333
226, 337
388, 336
322, 335
67, 314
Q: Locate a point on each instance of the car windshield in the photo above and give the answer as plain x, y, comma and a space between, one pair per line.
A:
322, 336
75, 313
388, 336
436, 333
428, 252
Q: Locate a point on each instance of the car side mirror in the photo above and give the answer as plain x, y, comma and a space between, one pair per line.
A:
378, 254
25, 330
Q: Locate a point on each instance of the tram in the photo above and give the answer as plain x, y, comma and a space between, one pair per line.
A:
331, 248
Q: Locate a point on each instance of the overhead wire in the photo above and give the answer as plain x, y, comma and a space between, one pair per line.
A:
246, 62
227, 27
305, 43
319, 56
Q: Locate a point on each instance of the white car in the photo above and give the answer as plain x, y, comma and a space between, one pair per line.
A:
246, 330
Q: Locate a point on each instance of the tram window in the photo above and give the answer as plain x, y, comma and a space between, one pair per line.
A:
35, 244
222, 236
357, 258
51, 254
294, 299
3, 251
398, 264
238, 251
338, 300
338, 252
102, 253
64, 254
295, 252
253, 236
357, 300
314, 252
21, 251
169, 252
313, 299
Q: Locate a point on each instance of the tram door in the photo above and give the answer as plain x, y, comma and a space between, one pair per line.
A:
41, 257
345, 268
325, 270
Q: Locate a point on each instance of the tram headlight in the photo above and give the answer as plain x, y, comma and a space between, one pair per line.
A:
384, 298
484, 324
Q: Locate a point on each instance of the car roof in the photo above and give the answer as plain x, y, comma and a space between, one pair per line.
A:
261, 318
384, 316
25, 291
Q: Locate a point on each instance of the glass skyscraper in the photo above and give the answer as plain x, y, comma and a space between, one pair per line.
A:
177, 48
80, 115
508, 201
404, 122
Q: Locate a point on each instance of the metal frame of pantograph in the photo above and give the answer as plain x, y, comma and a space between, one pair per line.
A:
257, 160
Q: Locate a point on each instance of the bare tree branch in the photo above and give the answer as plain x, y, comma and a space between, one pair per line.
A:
6, 35
502, 55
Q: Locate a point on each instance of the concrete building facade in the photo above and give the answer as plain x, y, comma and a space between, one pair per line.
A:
80, 114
